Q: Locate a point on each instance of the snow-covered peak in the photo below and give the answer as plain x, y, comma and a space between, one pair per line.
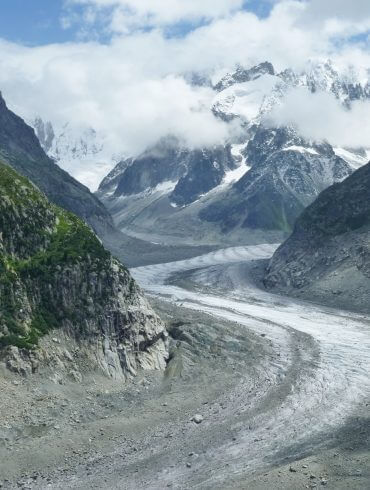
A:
250, 94
241, 75
245, 99
82, 152
346, 85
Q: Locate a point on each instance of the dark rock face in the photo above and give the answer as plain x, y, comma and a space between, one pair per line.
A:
287, 174
162, 163
110, 183
206, 169
242, 75
267, 141
57, 278
327, 257
192, 172
20, 148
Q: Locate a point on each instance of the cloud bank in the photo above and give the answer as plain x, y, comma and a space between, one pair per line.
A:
320, 117
129, 84
124, 16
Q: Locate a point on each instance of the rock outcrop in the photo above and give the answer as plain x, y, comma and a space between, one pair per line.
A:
327, 257
21, 149
65, 303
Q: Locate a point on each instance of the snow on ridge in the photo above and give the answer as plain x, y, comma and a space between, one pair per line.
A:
245, 99
235, 175
354, 159
162, 188
301, 149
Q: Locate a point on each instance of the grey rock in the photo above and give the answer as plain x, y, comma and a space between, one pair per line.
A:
329, 247
79, 289
198, 419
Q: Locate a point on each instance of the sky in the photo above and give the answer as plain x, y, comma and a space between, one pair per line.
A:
33, 22
42, 22
119, 65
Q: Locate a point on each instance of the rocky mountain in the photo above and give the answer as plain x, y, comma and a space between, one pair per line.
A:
191, 173
20, 148
327, 257
287, 173
260, 181
66, 305
242, 75
250, 94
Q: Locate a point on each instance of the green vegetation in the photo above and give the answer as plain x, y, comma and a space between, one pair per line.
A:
72, 242
17, 188
39, 242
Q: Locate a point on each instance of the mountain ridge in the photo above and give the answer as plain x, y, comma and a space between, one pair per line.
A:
327, 257
21, 149
56, 278
274, 175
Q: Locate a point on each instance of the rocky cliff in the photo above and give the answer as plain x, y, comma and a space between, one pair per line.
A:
327, 257
20, 148
58, 282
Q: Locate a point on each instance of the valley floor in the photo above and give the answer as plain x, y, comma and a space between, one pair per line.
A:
282, 387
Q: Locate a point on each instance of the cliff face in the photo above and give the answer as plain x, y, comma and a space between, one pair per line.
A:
327, 257
20, 148
56, 277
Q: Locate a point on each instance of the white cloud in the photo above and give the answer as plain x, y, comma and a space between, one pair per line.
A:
92, 84
127, 15
320, 117
132, 89
354, 10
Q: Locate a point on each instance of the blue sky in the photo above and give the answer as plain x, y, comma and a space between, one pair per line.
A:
32, 22
37, 22
129, 89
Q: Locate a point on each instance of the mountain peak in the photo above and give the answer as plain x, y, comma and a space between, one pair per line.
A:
241, 75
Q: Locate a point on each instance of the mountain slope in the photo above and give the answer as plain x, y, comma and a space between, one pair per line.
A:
254, 187
188, 173
20, 148
287, 174
327, 257
56, 277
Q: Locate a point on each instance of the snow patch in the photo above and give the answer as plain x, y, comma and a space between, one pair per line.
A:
235, 175
354, 159
301, 149
245, 99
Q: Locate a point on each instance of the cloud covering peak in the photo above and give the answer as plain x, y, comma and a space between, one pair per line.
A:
128, 77
321, 117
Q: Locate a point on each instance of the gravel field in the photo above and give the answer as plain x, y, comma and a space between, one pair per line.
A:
260, 392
